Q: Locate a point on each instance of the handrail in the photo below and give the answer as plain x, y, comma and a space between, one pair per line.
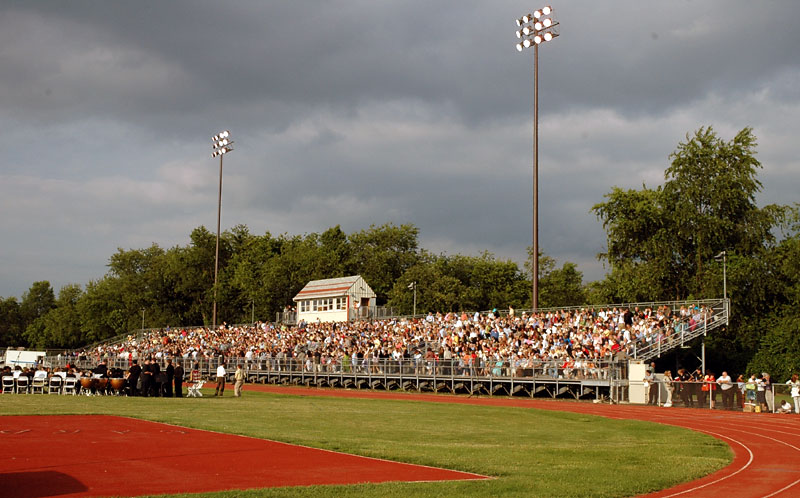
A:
664, 344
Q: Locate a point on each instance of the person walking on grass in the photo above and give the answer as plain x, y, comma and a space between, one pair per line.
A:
239, 378
220, 390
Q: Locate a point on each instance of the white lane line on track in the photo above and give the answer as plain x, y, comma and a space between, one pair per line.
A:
720, 422
781, 490
749, 461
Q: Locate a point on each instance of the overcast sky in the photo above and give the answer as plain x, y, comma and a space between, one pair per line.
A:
364, 112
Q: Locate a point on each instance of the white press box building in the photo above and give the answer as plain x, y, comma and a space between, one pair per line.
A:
334, 299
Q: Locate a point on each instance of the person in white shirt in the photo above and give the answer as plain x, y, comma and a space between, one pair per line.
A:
726, 386
794, 383
784, 408
220, 379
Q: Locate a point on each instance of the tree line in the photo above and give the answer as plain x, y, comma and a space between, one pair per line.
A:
661, 245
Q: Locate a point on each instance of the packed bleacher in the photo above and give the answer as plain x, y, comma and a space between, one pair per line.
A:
567, 343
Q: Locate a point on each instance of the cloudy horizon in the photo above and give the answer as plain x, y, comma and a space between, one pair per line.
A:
356, 113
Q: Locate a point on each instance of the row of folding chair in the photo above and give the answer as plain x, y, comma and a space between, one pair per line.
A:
54, 385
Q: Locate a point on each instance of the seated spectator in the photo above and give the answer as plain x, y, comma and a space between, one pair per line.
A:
784, 407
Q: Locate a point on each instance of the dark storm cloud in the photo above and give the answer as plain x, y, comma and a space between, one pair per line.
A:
365, 112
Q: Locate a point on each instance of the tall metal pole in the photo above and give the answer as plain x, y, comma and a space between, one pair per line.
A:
725, 275
535, 256
415, 299
725, 286
216, 256
536, 28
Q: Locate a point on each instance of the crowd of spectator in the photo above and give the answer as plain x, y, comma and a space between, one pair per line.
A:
571, 343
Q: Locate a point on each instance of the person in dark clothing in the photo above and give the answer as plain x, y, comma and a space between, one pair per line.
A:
627, 317
158, 379
170, 373
178, 379
101, 369
147, 378
686, 390
697, 381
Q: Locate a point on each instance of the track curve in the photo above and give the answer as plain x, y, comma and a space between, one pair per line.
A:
766, 447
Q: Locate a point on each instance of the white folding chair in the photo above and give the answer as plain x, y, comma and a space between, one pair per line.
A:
23, 384
194, 390
38, 384
55, 385
70, 386
8, 384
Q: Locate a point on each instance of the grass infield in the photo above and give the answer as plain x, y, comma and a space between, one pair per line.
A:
530, 452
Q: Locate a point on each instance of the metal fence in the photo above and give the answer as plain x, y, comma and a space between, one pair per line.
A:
497, 377
711, 395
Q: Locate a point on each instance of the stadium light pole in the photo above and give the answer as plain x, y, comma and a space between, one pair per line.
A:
535, 29
413, 285
724, 257
222, 144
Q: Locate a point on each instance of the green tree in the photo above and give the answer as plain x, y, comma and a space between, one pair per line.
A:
662, 239
436, 291
102, 310
562, 287
37, 301
382, 254
61, 326
12, 324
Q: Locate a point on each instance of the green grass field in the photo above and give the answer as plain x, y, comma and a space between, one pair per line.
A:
530, 452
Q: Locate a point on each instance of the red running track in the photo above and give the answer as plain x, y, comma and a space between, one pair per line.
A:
101, 455
766, 446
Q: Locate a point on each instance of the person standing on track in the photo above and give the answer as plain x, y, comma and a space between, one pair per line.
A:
761, 394
709, 388
686, 387
794, 383
649, 387
727, 389
668, 385
769, 394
